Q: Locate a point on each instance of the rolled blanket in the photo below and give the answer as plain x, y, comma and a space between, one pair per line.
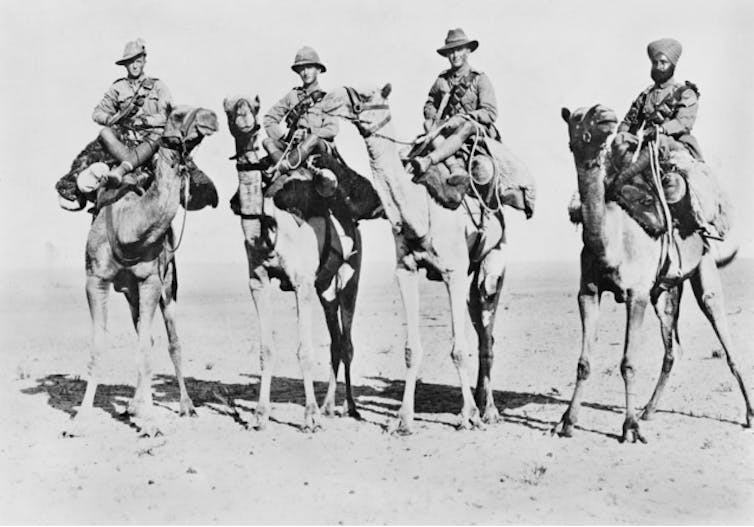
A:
515, 179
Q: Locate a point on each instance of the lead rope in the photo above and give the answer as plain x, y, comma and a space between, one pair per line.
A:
479, 131
666, 239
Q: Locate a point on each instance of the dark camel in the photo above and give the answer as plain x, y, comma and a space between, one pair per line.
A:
130, 246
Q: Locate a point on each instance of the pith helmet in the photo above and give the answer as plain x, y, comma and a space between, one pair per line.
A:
669, 47
455, 39
306, 56
133, 49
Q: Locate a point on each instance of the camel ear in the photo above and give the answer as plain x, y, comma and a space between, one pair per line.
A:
565, 113
386, 89
256, 100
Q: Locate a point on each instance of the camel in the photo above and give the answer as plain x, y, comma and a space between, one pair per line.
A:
130, 245
309, 256
409, 207
620, 257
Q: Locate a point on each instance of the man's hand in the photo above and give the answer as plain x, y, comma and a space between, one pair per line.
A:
652, 133
626, 137
298, 135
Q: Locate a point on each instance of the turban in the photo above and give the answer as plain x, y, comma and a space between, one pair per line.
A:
669, 47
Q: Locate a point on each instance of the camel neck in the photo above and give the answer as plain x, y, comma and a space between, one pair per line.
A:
593, 210
405, 203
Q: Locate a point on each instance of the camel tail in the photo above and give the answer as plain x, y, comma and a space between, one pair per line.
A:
724, 251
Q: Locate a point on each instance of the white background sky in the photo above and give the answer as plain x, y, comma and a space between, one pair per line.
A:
56, 61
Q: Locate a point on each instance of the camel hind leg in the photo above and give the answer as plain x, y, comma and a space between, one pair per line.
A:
305, 293
709, 295
167, 306
484, 295
347, 299
330, 309
667, 308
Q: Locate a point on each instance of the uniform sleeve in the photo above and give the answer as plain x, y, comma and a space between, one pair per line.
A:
486, 112
164, 103
632, 121
436, 93
273, 117
107, 107
685, 115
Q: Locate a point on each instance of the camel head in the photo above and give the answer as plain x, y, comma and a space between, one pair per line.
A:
242, 114
368, 107
187, 126
588, 131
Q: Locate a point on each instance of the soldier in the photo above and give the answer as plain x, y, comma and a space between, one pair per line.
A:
139, 106
666, 111
460, 99
311, 129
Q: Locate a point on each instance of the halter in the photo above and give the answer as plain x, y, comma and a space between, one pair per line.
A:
357, 107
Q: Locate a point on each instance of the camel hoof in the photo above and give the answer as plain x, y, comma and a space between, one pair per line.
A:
749, 417
261, 418
312, 419
79, 426
328, 409
148, 429
354, 414
402, 426
187, 409
647, 415
470, 420
631, 432
491, 416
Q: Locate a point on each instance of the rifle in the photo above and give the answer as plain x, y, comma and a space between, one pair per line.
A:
436, 127
132, 105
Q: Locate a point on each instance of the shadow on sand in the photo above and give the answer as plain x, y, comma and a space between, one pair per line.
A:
381, 396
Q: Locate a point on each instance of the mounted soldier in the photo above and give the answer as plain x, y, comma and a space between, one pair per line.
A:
310, 126
460, 133
133, 113
664, 114
460, 99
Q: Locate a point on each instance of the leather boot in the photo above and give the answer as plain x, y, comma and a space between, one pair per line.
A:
136, 157
458, 172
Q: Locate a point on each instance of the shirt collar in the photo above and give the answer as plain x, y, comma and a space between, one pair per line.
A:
462, 71
314, 86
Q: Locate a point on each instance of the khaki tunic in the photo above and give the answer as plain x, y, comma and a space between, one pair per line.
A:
315, 119
479, 101
154, 111
678, 121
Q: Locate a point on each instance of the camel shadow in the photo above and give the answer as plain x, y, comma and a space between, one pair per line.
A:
379, 396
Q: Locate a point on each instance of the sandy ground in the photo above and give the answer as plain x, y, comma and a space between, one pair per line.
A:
696, 467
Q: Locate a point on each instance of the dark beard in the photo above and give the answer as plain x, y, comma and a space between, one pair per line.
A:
662, 76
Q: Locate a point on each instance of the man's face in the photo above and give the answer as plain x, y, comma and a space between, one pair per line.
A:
308, 73
662, 68
136, 67
458, 57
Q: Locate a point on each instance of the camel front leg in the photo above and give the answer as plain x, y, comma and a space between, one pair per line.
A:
666, 306
347, 299
408, 282
589, 309
636, 305
304, 303
141, 405
457, 284
709, 295
260, 287
167, 305
97, 291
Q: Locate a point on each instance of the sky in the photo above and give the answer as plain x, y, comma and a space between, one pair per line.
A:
57, 59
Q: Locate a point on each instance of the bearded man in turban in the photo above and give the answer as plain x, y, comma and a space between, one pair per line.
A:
666, 112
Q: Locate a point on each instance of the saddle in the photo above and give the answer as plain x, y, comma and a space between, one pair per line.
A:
497, 177
202, 191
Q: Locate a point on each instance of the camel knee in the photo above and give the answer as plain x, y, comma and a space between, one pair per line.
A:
265, 356
457, 355
711, 301
667, 363
583, 369
626, 369
304, 357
